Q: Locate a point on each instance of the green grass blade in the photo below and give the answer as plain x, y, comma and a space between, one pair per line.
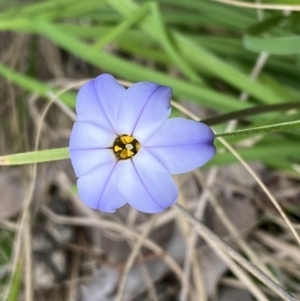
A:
279, 46
131, 71
201, 58
162, 36
34, 86
285, 45
259, 152
16, 283
35, 157
280, 127
122, 27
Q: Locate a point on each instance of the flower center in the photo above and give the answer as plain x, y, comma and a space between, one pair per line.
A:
125, 147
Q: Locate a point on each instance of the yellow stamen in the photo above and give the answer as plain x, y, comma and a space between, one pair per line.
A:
125, 147
126, 139
117, 148
126, 153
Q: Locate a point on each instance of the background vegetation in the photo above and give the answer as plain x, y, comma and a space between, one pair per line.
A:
218, 57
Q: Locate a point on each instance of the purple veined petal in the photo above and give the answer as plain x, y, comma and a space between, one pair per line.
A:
143, 109
98, 189
110, 94
182, 145
89, 136
98, 100
85, 160
145, 183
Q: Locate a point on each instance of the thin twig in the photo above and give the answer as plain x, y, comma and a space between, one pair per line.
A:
234, 232
151, 287
217, 244
263, 187
186, 288
24, 219
238, 271
259, 182
108, 225
191, 241
72, 292
134, 253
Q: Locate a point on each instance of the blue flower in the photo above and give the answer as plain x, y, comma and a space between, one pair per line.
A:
124, 149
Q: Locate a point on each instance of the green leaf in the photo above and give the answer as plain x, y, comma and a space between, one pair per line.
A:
35, 86
35, 157
280, 46
259, 152
131, 71
238, 115
162, 35
16, 283
279, 127
285, 45
122, 27
200, 58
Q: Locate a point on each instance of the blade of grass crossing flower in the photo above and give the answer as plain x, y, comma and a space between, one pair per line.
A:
238, 115
35, 157
259, 152
280, 127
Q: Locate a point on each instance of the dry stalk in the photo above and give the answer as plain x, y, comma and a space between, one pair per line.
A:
24, 221
234, 233
108, 225
259, 64
134, 253
222, 248
258, 181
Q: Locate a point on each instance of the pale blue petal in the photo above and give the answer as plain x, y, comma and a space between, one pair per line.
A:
98, 189
110, 94
85, 160
182, 145
98, 101
145, 183
143, 109
88, 107
89, 136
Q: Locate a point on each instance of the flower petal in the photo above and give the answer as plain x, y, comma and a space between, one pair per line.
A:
99, 190
85, 160
145, 183
98, 101
110, 94
182, 145
144, 108
89, 136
